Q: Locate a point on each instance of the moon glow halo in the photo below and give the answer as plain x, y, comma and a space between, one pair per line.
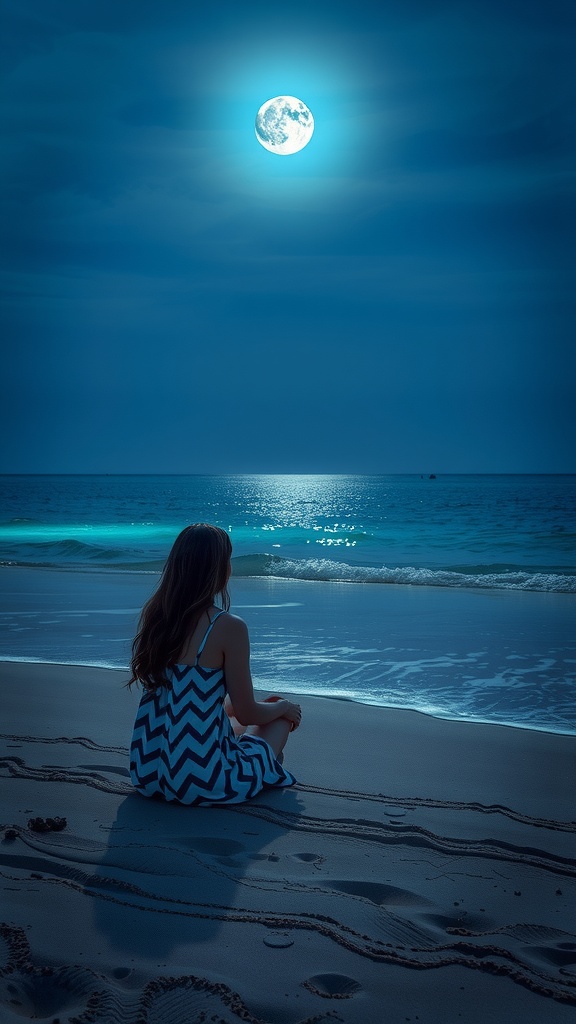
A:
284, 125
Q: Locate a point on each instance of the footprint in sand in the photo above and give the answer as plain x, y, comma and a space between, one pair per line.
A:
561, 955
332, 986
468, 921
121, 972
36, 995
182, 1000
278, 940
381, 895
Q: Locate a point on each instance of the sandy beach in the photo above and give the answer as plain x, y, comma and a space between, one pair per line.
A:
420, 870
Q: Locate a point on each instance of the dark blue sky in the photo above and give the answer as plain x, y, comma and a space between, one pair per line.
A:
397, 297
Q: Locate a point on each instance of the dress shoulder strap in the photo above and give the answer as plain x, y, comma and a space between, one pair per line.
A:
207, 633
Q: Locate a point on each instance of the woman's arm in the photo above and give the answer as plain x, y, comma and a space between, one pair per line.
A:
247, 710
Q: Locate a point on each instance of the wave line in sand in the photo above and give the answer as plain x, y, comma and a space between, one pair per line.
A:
408, 883
403, 802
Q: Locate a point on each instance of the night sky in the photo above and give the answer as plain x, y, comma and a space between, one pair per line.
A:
397, 297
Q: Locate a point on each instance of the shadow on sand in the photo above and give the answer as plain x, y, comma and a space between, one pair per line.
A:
171, 875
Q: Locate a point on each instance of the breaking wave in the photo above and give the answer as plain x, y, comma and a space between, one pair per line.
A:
340, 572
77, 555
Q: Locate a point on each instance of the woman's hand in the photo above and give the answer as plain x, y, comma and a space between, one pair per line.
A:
293, 712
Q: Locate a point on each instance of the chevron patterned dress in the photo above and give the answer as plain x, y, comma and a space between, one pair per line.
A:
184, 748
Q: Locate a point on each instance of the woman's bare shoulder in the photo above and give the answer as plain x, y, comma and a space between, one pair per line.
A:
232, 626
226, 620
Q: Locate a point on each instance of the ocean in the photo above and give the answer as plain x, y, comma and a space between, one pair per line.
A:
453, 595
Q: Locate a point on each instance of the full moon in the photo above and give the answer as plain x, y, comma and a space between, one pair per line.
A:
284, 125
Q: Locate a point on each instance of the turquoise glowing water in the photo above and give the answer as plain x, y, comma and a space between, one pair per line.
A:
476, 531
479, 623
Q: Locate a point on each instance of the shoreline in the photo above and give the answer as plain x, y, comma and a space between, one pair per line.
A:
321, 696
531, 754
472, 655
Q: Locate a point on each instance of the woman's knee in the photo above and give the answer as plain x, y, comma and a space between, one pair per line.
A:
275, 733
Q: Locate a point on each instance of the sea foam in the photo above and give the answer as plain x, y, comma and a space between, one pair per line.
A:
340, 572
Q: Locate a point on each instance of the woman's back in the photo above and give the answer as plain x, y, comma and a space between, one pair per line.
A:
183, 746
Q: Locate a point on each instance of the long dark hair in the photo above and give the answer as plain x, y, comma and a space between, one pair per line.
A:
195, 573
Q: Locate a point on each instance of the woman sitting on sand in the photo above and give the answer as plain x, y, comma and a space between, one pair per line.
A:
200, 737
